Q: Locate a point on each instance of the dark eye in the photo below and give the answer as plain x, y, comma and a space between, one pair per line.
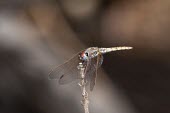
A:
86, 54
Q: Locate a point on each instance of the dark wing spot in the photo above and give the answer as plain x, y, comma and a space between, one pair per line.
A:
61, 76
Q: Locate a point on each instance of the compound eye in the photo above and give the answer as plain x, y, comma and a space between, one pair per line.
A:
86, 54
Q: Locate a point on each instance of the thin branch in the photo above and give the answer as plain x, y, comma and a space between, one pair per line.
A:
82, 84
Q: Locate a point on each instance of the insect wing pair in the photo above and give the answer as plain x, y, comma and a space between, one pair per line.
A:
69, 72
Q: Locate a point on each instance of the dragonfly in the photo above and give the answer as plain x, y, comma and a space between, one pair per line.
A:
91, 58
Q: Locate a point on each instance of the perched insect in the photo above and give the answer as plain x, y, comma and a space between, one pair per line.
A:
91, 58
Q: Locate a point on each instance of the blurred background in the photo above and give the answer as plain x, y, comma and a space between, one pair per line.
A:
36, 35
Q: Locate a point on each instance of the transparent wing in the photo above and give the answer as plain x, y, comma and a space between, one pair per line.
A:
96, 63
66, 72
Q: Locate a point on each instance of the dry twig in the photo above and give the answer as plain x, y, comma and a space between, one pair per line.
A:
82, 84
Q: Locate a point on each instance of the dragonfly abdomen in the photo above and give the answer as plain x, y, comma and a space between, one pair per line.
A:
106, 50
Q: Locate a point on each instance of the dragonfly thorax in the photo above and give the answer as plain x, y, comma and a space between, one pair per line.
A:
89, 53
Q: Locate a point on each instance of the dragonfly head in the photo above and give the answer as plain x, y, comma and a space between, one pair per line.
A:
89, 53
84, 56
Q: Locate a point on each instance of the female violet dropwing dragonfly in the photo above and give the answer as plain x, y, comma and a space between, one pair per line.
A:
91, 58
